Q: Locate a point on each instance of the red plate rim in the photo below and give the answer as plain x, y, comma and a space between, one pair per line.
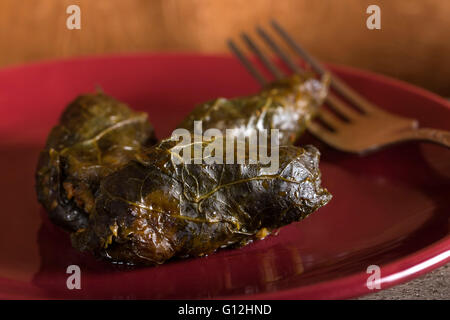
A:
393, 273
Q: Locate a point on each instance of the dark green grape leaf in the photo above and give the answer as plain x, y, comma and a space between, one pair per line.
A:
153, 209
96, 135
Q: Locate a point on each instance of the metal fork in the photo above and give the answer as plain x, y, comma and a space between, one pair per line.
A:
364, 128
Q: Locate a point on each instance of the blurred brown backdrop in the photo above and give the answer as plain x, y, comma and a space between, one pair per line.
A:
412, 44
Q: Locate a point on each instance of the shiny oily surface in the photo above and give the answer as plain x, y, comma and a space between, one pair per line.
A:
96, 135
154, 210
389, 209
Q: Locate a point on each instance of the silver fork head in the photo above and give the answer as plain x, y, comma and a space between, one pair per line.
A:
358, 129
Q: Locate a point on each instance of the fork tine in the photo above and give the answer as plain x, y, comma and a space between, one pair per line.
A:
309, 59
321, 132
330, 119
359, 101
264, 59
289, 62
247, 64
342, 108
332, 100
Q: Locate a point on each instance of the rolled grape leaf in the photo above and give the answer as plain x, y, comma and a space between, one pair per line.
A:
95, 136
155, 209
287, 105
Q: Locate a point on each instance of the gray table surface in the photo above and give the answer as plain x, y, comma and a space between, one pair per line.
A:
431, 286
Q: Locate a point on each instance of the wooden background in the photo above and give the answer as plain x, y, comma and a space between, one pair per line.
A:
412, 44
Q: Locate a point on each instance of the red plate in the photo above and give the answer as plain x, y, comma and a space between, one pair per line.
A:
390, 209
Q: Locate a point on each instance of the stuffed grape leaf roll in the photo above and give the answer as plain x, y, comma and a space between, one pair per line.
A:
95, 136
287, 105
152, 209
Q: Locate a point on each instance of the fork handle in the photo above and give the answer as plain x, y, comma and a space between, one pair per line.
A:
440, 137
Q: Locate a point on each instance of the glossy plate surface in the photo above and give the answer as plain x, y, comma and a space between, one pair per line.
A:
390, 209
